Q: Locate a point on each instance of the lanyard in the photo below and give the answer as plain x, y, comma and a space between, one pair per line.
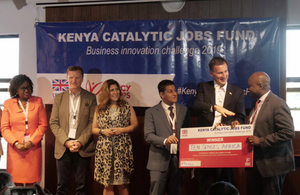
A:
25, 113
74, 109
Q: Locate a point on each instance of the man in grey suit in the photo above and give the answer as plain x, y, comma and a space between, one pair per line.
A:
162, 131
272, 139
71, 123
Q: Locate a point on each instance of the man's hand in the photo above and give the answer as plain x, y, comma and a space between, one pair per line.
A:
253, 140
219, 125
171, 140
223, 111
234, 123
71, 145
77, 145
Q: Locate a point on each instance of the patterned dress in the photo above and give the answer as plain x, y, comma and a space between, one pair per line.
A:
114, 157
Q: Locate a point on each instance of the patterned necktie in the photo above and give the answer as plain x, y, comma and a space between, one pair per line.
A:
255, 111
171, 112
172, 117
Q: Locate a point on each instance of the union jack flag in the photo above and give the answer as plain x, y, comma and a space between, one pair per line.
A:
60, 84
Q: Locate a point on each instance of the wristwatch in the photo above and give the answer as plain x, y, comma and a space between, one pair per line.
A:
16, 143
101, 131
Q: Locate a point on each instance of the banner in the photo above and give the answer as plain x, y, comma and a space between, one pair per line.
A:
205, 147
139, 54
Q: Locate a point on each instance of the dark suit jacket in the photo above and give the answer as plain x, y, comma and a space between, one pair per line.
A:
275, 129
205, 98
157, 129
59, 123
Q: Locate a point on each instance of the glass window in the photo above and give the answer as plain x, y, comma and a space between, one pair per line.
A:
9, 63
9, 55
293, 73
293, 100
292, 52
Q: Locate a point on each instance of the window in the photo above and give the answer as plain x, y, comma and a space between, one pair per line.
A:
293, 73
9, 63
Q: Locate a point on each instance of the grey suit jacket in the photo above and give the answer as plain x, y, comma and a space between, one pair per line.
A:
234, 101
275, 129
157, 129
59, 123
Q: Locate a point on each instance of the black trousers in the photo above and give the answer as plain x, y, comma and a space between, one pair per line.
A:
259, 185
69, 162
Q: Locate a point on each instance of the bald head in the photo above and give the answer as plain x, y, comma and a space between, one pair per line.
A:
259, 84
263, 79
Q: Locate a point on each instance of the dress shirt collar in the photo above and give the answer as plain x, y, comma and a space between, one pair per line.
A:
74, 95
166, 106
262, 98
217, 86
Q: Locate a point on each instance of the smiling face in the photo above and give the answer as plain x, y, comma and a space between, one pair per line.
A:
24, 91
169, 96
75, 80
220, 74
114, 93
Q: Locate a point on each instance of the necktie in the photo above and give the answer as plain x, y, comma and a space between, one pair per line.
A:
255, 111
172, 117
173, 147
171, 112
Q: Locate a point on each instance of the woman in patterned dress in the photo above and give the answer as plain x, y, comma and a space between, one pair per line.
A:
114, 119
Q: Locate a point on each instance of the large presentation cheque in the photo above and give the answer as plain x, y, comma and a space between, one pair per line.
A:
206, 147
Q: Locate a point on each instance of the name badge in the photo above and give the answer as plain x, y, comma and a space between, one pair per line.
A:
173, 149
72, 133
27, 138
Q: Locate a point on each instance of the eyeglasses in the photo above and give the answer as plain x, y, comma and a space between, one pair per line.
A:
24, 88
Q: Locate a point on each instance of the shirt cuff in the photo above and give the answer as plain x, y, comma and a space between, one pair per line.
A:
165, 141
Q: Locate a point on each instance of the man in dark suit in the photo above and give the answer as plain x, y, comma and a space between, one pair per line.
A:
71, 123
218, 103
272, 139
162, 131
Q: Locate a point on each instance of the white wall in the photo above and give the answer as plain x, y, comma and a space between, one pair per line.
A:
14, 21
293, 16
21, 22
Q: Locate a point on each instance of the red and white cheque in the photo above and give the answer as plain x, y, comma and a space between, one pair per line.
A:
206, 147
